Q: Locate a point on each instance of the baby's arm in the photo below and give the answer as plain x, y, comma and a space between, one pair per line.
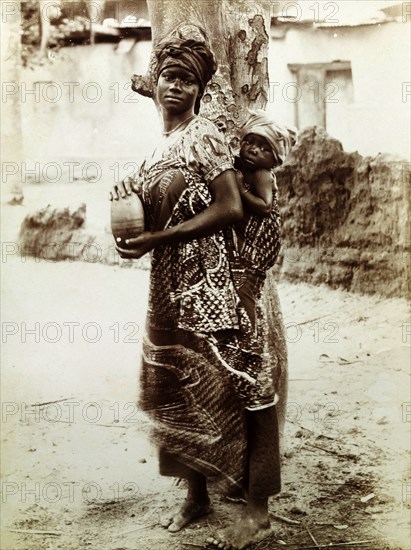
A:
258, 196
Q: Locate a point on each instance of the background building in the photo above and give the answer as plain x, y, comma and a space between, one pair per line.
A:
331, 64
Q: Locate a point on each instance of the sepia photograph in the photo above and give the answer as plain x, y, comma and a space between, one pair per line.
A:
206, 259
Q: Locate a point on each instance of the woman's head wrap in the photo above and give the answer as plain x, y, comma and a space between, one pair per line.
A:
280, 138
192, 55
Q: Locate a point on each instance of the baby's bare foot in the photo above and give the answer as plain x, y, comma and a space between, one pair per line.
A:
189, 511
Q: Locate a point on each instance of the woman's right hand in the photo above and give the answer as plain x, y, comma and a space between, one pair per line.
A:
138, 246
126, 187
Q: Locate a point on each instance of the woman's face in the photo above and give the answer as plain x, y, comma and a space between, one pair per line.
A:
177, 89
256, 152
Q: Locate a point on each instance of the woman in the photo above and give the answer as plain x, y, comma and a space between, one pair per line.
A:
203, 368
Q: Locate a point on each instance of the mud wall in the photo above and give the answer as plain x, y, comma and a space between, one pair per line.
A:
345, 218
376, 102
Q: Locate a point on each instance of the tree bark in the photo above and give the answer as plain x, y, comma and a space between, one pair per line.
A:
239, 37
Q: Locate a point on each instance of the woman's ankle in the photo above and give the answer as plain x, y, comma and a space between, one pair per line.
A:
197, 490
257, 508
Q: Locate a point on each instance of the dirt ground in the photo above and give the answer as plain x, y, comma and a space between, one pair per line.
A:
79, 472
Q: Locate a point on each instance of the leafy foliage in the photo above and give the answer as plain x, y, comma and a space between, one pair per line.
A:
61, 30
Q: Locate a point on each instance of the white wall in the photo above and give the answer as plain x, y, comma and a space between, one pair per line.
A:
119, 127
379, 118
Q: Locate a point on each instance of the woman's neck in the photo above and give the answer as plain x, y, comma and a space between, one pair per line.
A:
173, 122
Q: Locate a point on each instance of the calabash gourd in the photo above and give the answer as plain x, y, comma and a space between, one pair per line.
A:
127, 218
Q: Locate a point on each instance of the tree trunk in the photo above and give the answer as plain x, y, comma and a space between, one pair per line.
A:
11, 143
239, 37
95, 9
48, 10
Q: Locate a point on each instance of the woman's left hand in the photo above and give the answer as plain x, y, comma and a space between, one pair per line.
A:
138, 246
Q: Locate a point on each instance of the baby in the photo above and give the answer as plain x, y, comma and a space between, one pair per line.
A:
264, 146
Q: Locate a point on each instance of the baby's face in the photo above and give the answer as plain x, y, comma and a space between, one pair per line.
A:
256, 152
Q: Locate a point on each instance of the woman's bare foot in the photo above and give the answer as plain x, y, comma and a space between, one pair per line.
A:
243, 533
189, 511
252, 527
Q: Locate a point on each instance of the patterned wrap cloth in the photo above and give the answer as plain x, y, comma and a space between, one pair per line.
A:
204, 363
258, 238
255, 251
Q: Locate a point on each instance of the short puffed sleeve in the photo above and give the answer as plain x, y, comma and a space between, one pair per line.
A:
205, 150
